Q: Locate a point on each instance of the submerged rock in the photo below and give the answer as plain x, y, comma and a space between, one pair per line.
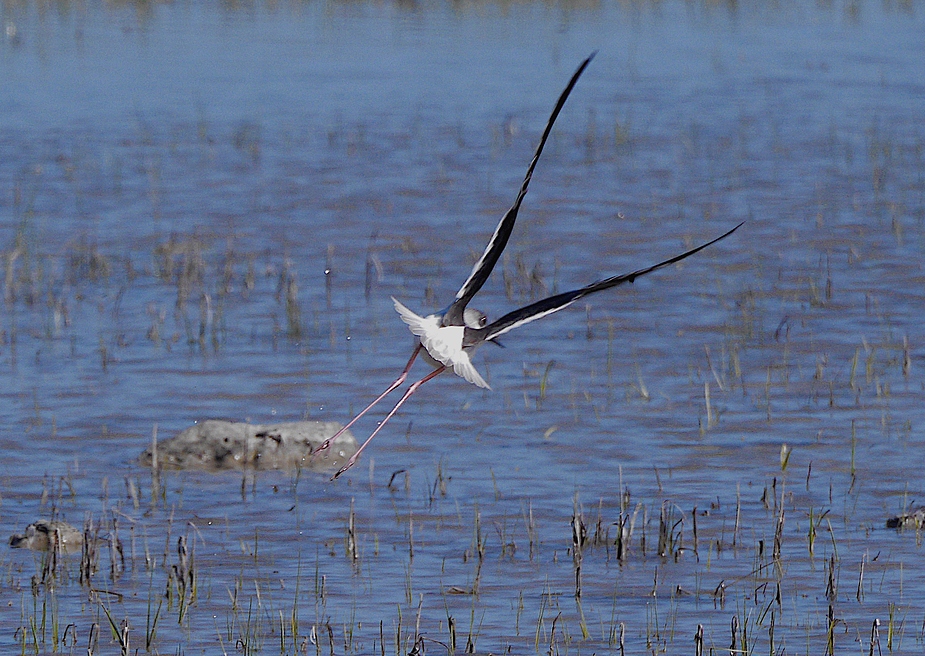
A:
46, 534
914, 519
216, 445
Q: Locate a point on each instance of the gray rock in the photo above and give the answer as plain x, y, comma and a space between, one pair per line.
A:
215, 445
913, 519
46, 534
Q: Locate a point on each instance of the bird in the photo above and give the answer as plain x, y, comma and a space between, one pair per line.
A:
447, 339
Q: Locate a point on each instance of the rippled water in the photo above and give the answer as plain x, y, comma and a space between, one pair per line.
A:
205, 210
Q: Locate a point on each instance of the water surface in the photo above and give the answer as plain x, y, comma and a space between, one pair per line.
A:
205, 210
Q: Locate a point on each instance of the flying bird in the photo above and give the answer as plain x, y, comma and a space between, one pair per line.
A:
448, 338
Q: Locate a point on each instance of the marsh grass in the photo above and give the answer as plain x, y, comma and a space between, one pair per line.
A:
744, 573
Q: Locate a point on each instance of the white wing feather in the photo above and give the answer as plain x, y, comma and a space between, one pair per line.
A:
418, 325
462, 366
443, 343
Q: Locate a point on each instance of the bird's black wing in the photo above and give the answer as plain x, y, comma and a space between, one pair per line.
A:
558, 302
483, 268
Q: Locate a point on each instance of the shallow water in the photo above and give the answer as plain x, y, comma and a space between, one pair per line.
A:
205, 211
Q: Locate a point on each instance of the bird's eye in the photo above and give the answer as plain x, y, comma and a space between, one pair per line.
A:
483, 320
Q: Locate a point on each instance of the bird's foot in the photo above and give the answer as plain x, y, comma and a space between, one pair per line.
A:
324, 447
350, 463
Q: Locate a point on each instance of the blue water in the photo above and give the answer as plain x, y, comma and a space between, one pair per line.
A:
367, 150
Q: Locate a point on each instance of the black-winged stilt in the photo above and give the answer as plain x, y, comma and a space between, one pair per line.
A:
449, 337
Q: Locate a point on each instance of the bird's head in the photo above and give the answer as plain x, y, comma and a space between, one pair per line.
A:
474, 318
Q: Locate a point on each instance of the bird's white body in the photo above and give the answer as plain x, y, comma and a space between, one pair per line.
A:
442, 343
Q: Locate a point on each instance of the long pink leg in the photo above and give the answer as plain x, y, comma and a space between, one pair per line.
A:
398, 381
411, 390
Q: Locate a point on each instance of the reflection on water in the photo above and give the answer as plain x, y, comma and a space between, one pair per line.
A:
205, 211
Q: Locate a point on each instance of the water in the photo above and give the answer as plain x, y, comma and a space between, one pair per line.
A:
205, 210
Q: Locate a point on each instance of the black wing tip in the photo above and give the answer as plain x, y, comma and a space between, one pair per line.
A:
702, 246
713, 241
582, 66
726, 234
